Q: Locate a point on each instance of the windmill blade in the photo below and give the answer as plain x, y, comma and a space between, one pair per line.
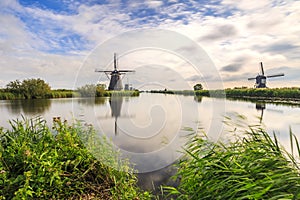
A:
251, 79
126, 70
262, 68
106, 71
275, 75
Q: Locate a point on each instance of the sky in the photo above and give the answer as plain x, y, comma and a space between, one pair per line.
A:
63, 42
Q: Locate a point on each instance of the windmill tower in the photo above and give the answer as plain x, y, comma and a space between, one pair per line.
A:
261, 79
115, 76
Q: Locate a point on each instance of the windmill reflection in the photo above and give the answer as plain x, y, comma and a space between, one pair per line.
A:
115, 103
260, 106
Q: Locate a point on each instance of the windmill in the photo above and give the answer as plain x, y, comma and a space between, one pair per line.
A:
261, 79
115, 79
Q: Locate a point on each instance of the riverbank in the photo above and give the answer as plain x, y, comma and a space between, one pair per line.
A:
273, 95
63, 93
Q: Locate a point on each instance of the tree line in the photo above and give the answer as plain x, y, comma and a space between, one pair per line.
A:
39, 89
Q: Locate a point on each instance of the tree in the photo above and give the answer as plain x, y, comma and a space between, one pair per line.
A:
198, 86
14, 87
29, 88
35, 88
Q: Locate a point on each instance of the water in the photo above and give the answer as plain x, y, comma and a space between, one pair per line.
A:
151, 129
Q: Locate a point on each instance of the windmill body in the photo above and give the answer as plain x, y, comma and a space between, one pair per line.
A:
115, 82
261, 79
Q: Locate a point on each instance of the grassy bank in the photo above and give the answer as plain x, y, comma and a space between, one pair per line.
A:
39, 162
59, 93
63, 93
254, 166
265, 93
246, 93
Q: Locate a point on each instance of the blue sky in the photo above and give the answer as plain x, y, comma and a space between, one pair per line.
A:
55, 40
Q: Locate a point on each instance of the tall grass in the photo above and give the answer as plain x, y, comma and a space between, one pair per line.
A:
254, 166
37, 162
62, 93
251, 93
287, 93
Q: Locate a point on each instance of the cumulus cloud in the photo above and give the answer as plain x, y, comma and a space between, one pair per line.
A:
237, 35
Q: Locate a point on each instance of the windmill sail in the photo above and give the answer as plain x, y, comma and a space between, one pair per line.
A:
115, 75
275, 75
262, 68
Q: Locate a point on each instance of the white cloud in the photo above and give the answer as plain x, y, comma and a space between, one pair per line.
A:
154, 3
247, 5
242, 33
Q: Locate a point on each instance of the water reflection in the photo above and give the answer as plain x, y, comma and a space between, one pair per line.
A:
198, 98
29, 107
115, 103
91, 101
261, 106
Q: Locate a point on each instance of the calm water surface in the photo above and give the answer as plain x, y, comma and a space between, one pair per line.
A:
151, 129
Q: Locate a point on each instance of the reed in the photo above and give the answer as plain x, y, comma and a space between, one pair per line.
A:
253, 166
38, 162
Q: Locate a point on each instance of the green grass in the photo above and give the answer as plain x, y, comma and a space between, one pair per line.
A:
253, 166
287, 93
62, 162
69, 161
247, 93
62, 93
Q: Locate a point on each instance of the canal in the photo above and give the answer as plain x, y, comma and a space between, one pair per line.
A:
150, 130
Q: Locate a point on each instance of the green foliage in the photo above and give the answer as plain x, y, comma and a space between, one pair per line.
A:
198, 86
264, 93
62, 93
15, 87
35, 88
253, 166
37, 162
28, 89
92, 90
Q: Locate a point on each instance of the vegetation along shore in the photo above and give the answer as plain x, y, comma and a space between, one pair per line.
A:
39, 89
291, 95
69, 161
59, 162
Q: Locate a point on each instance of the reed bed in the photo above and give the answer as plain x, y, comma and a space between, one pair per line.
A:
253, 166
247, 93
62, 162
